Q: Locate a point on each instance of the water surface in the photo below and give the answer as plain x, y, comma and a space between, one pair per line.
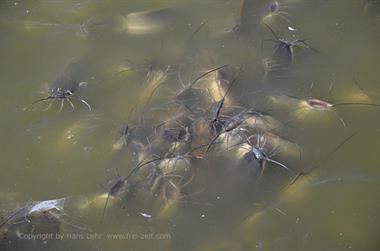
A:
49, 154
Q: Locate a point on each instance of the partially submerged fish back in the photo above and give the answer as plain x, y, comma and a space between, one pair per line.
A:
72, 76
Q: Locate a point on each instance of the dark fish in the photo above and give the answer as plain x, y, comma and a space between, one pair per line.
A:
250, 14
39, 217
372, 6
66, 85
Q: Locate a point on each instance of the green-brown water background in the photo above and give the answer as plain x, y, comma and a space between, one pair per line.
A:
40, 160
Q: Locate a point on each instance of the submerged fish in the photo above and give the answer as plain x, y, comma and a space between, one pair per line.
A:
147, 22
38, 217
66, 86
372, 6
249, 16
34, 207
254, 13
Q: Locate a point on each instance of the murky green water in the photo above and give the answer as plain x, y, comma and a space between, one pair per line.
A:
131, 70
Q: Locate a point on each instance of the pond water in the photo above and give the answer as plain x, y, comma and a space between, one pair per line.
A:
274, 146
